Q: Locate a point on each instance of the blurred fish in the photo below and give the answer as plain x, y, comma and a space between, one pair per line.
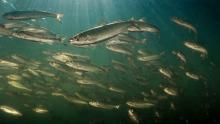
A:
142, 26
40, 38
14, 77
27, 15
139, 104
82, 97
70, 99
180, 56
40, 110
170, 91
10, 110
119, 49
184, 24
148, 58
196, 47
45, 73
4, 31
18, 85
133, 116
15, 25
115, 89
166, 72
87, 81
103, 105
34, 29
119, 66
84, 67
192, 76
130, 39
8, 64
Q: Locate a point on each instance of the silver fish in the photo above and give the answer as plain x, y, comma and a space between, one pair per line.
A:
196, 47
101, 33
27, 15
184, 24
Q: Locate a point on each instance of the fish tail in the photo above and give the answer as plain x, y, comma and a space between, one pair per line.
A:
62, 39
117, 106
59, 17
143, 40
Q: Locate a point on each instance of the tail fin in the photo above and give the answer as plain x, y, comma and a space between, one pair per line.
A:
117, 106
59, 17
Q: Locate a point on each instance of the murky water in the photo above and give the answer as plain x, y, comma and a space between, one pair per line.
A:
93, 84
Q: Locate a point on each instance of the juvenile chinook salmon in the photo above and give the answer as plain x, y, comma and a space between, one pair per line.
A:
101, 33
10, 110
103, 106
133, 116
180, 56
42, 38
192, 76
26, 15
139, 104
105, 32
184, 24
196, 47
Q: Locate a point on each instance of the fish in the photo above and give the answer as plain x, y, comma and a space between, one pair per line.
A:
184, 24
57, 66
34, 29
70, 99
10, 110
76, 100
139, 104
4, 31
84, 67
196, 47
115, 89
119, 49
62, 57
148, 58
142, 52
18, 85
165, 72
130, 39
192, 76
103, 105
40, 110
101, 33
28, 15
40, 38
45, 73
119, 66
19, 59
15, 25
117, 42
9, 64
133, 116
82, 97
33, 72
180, 56
142, 26
14, 77
170, 91
87, 81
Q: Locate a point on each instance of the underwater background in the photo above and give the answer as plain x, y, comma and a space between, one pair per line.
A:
196, 102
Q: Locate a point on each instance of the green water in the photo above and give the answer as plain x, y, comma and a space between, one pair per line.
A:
196, 102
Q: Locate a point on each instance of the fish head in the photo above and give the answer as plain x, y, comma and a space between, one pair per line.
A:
80, 39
